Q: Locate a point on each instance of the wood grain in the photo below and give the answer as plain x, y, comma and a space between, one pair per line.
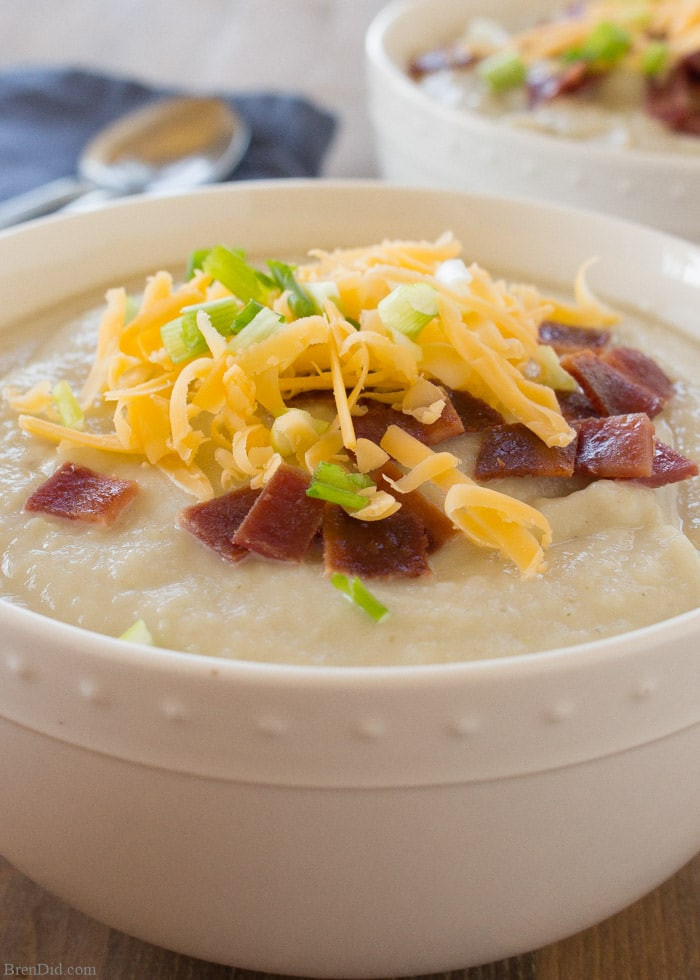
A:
657, 938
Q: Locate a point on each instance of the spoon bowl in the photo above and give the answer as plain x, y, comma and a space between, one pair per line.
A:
171, 144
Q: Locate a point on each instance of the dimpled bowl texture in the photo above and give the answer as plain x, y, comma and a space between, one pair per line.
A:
420, 141
352, 822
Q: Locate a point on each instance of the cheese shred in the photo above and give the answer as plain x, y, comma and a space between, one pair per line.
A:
488, 518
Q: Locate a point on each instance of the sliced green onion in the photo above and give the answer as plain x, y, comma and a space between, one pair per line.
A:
246, 316
503, 71
68, 408
655, 58
606, 44
264, 324
183, 339
359, 595
336, 476
453, 272
347, 499
138, 632
321, 291
230, 268
550, 372
407, 309
177, 346
195, 261
335, 485
296, 430
221, 313
300, 302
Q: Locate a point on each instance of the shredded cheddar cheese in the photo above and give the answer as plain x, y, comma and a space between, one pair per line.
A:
231, 413
488, 518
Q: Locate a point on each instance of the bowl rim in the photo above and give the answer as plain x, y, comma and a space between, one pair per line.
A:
398, 12
159, 657
349, 728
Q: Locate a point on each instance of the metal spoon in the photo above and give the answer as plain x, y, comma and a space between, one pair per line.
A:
171, 144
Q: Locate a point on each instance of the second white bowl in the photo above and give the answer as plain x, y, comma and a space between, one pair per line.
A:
420, 141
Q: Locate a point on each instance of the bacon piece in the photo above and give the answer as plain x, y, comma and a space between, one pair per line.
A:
378, 417
80, 494
214, 522
566, 339
610, 391
616, 447
550, 83
450, 57
395, 546
438, 527
675, 99
669, 466
283, 521
641, 369
307, 399
474, 413
575, 405
513, 450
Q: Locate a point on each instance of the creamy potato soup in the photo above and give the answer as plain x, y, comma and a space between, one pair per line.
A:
609, 73
527, 563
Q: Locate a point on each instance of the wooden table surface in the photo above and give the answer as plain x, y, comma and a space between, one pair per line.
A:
657, 938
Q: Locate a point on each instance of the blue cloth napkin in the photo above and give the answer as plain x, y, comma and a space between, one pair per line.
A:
48, 114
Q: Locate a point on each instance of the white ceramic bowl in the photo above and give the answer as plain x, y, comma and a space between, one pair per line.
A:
420, 141
347, 822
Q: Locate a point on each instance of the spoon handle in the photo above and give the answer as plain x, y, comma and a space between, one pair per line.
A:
41, 200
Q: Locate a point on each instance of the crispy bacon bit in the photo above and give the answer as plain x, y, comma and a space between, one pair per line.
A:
617, 447
513, 450
566, 339
216, 521
669, 466
675, 99
438, 527
641, 369
551, 82
378, 417
575, 405
474, 413
451, 57
283, 521
394, 546
610, 390
80, 494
